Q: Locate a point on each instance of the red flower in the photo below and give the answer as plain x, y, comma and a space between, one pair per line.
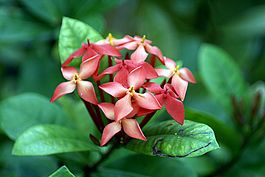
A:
123, 67
92, 50
141, 47
167, 97
76, 80
127, 94
128, 124
180, 77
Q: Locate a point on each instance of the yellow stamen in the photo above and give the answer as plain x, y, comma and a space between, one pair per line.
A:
131, 91
176, 71
110, 39
76, 78
143, 39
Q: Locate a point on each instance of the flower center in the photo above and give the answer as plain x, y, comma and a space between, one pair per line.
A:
176, 70
76, 78
143, 39
111, 39
131, 91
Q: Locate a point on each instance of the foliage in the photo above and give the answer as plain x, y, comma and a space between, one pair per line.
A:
222, 42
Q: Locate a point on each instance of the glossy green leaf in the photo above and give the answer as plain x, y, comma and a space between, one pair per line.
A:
145, 166
170, 139
20, 112
220, 74
62, 172
72, 34
51, 139
224, 133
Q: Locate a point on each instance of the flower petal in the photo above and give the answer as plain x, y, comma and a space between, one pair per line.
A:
136, 77
139, 55
155, 51
175, 108
106, 49
147, 101
170, 64
123, 107
109, 70
89, 53
132, 128
130, 45
108, 109
153, 87
122, 77
164, 72
187, 75
89, 67
180, 86
114, 88
62, 89
78, 53
150, 72
86, 91
69, 72
144, 112
109, 131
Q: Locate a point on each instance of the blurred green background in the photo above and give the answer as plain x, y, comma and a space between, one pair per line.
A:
29, 60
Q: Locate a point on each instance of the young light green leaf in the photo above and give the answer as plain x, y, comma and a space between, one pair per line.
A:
62, 172
72, 34
20, 112
170, 139
220, 74
51, 139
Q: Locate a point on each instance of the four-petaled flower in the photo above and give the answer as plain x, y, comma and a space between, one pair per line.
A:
77, 80
127, 94
169, 98
128, 124
141, 47
92, 50
180, 77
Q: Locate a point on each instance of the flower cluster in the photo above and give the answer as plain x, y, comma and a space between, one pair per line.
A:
133, 94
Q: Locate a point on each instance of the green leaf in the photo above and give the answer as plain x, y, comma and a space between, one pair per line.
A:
72, 34
51, 139
250, 23
220, 74
15, 166
145, 166
170, 139
20, 112
16, 26
62, 172
48, 10
224, 133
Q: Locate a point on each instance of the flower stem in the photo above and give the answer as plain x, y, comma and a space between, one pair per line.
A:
96, 119
146, 119
101, 93
111, 76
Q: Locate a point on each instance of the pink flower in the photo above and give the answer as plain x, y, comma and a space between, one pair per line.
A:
113, 41
141, 47
92, 50
167, 97
128, 95
180, 77
123, 67
128, 124
77, 80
